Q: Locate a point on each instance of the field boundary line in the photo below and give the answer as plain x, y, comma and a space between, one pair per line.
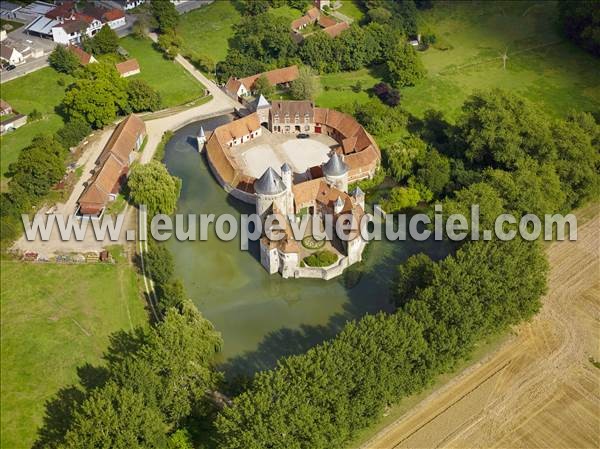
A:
494, 373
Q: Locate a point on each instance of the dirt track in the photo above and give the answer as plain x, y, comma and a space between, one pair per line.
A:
540, 389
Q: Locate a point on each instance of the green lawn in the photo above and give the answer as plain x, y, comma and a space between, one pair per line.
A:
542, 65
38, 90
55, 319
336, 88
351, 9
285, 11
175, 84
207, 30
10, 25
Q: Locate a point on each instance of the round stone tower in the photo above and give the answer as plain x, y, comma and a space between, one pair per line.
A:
270, 191
336, 172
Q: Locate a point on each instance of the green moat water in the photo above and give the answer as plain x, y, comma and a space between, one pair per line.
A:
263, 317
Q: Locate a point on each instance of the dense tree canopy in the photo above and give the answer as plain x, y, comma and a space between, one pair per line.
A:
62, 60
580, 20
118, 418
262, 86
104, 41
73, 133
142, 97
97, 96
322, 398
40, 165
404, 66
499, 129
164, 14
306, 86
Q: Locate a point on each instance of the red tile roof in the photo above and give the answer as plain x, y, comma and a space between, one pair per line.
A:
84, 58
277, 76
337, 29
131, 65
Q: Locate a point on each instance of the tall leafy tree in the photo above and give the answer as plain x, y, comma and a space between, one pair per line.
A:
165, 14
152, 185
62, 60
142, 97
497, 128
578, 160
306, 86
404, 66
581, 23
105, 41
38, 167
97, 96
262, 86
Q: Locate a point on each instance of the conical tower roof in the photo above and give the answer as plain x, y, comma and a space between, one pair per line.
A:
335, 166
286, 167
262, 102
358, 192
201, 132
269, 183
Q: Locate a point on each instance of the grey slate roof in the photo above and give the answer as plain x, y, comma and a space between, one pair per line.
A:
269, 183
335, 166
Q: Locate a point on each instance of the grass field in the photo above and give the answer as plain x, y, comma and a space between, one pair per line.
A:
38, 90
336, 88
351, 9
542, 65
207, 30
176, 86
54, 319
10, 25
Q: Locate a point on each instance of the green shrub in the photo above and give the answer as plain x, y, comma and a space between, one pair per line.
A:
320, 259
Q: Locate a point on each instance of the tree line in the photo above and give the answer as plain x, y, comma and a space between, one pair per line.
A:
323, 398
500, 146
502, 154
263, 41
154, 378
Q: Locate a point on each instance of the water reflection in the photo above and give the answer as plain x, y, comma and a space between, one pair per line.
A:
263, 317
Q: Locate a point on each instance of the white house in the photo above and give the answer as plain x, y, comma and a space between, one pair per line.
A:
130, 4
11, 55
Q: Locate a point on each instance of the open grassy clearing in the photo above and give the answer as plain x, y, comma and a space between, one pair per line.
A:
351, 9
337, 88
56, 318
286, 12
542, 66
38, 90
175, 84
207, 30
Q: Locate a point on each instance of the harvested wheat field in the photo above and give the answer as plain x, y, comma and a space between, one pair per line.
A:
540, 390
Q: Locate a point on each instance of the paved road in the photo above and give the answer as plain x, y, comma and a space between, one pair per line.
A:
24, 69
220, 104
